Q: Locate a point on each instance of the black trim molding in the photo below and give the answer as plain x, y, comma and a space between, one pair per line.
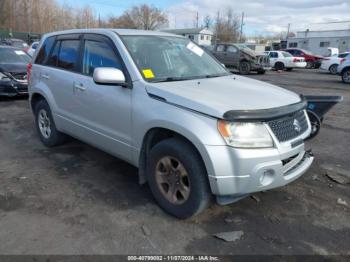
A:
264, 114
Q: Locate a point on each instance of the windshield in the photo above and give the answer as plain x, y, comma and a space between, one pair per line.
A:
9, 55
169, 58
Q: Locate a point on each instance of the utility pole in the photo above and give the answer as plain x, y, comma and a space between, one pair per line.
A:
288, 32
99, 20
197, 19
242, 24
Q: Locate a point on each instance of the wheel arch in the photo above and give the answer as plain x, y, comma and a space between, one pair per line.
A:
154, 136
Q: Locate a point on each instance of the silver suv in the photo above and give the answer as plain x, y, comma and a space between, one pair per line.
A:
163, 104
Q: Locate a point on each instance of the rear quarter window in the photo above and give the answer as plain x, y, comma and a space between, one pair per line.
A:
45, 51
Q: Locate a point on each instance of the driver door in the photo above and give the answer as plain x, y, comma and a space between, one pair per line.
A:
103, 111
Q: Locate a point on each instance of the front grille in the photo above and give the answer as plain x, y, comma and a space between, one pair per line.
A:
289, 127
19, 76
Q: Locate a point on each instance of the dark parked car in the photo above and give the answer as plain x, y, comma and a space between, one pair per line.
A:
13, 71
241, 58
312, 60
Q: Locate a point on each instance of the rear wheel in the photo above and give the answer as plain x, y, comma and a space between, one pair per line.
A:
45, 125
279, 66
178, 178
309, 65
333, 69
346, 76
244, 68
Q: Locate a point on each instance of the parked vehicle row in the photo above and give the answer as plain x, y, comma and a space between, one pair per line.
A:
13, 71
312, 60
280, 60
331, 63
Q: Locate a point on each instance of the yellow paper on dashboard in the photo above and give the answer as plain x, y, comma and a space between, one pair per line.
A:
148, 73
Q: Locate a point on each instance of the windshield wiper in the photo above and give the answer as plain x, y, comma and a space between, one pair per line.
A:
172, 79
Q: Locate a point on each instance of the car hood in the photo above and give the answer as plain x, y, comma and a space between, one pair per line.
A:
216, 96
13, 67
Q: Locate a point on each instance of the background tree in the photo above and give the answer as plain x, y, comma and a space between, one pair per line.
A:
226, 28
207, 21
141, 17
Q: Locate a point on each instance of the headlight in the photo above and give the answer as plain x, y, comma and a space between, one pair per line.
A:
245, 135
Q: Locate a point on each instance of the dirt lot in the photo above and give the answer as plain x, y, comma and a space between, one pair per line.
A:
75, 199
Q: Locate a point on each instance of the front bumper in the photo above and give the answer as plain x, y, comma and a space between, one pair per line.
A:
12, 88
258, 170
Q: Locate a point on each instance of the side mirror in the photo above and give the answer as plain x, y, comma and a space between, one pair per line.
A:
109, 76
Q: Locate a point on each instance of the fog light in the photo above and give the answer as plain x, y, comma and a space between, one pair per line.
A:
267, 177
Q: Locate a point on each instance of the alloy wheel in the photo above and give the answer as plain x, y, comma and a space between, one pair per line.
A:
44, 124
172, 180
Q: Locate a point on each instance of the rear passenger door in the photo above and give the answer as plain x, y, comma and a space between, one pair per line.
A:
103, 110
62, 66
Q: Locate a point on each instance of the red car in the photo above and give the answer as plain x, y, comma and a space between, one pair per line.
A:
312, 61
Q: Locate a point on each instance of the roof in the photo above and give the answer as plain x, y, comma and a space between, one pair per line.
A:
109, 30
189, 31
334, 26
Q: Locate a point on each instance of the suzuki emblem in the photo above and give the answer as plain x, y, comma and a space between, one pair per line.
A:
296, 126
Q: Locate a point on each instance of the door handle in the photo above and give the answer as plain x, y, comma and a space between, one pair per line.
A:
45, 76
81, 87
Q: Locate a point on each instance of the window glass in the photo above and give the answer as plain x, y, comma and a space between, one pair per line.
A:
202, 37
68, 55
98, 54
285, 54
220, 48
343, 55
231, 49
273, 55
53, 59
325, 44
45, 50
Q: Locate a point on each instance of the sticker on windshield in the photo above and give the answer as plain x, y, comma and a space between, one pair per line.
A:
195, 49
19, 52
148, 73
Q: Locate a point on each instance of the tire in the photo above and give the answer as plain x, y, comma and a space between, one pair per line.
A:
244, 68
46, 127
162, 161
289, 69
345, 76
261, 72
309, 65
279, 66
333, 69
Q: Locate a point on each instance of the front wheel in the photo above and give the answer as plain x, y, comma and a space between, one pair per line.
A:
46, 127
244, 68
346, 76
178, 179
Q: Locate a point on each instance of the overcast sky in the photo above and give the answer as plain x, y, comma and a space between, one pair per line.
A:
262, 16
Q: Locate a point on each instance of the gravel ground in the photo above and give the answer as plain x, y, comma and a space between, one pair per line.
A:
75, 199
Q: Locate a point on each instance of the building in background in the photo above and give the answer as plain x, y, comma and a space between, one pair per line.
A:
317, 38
201, 36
